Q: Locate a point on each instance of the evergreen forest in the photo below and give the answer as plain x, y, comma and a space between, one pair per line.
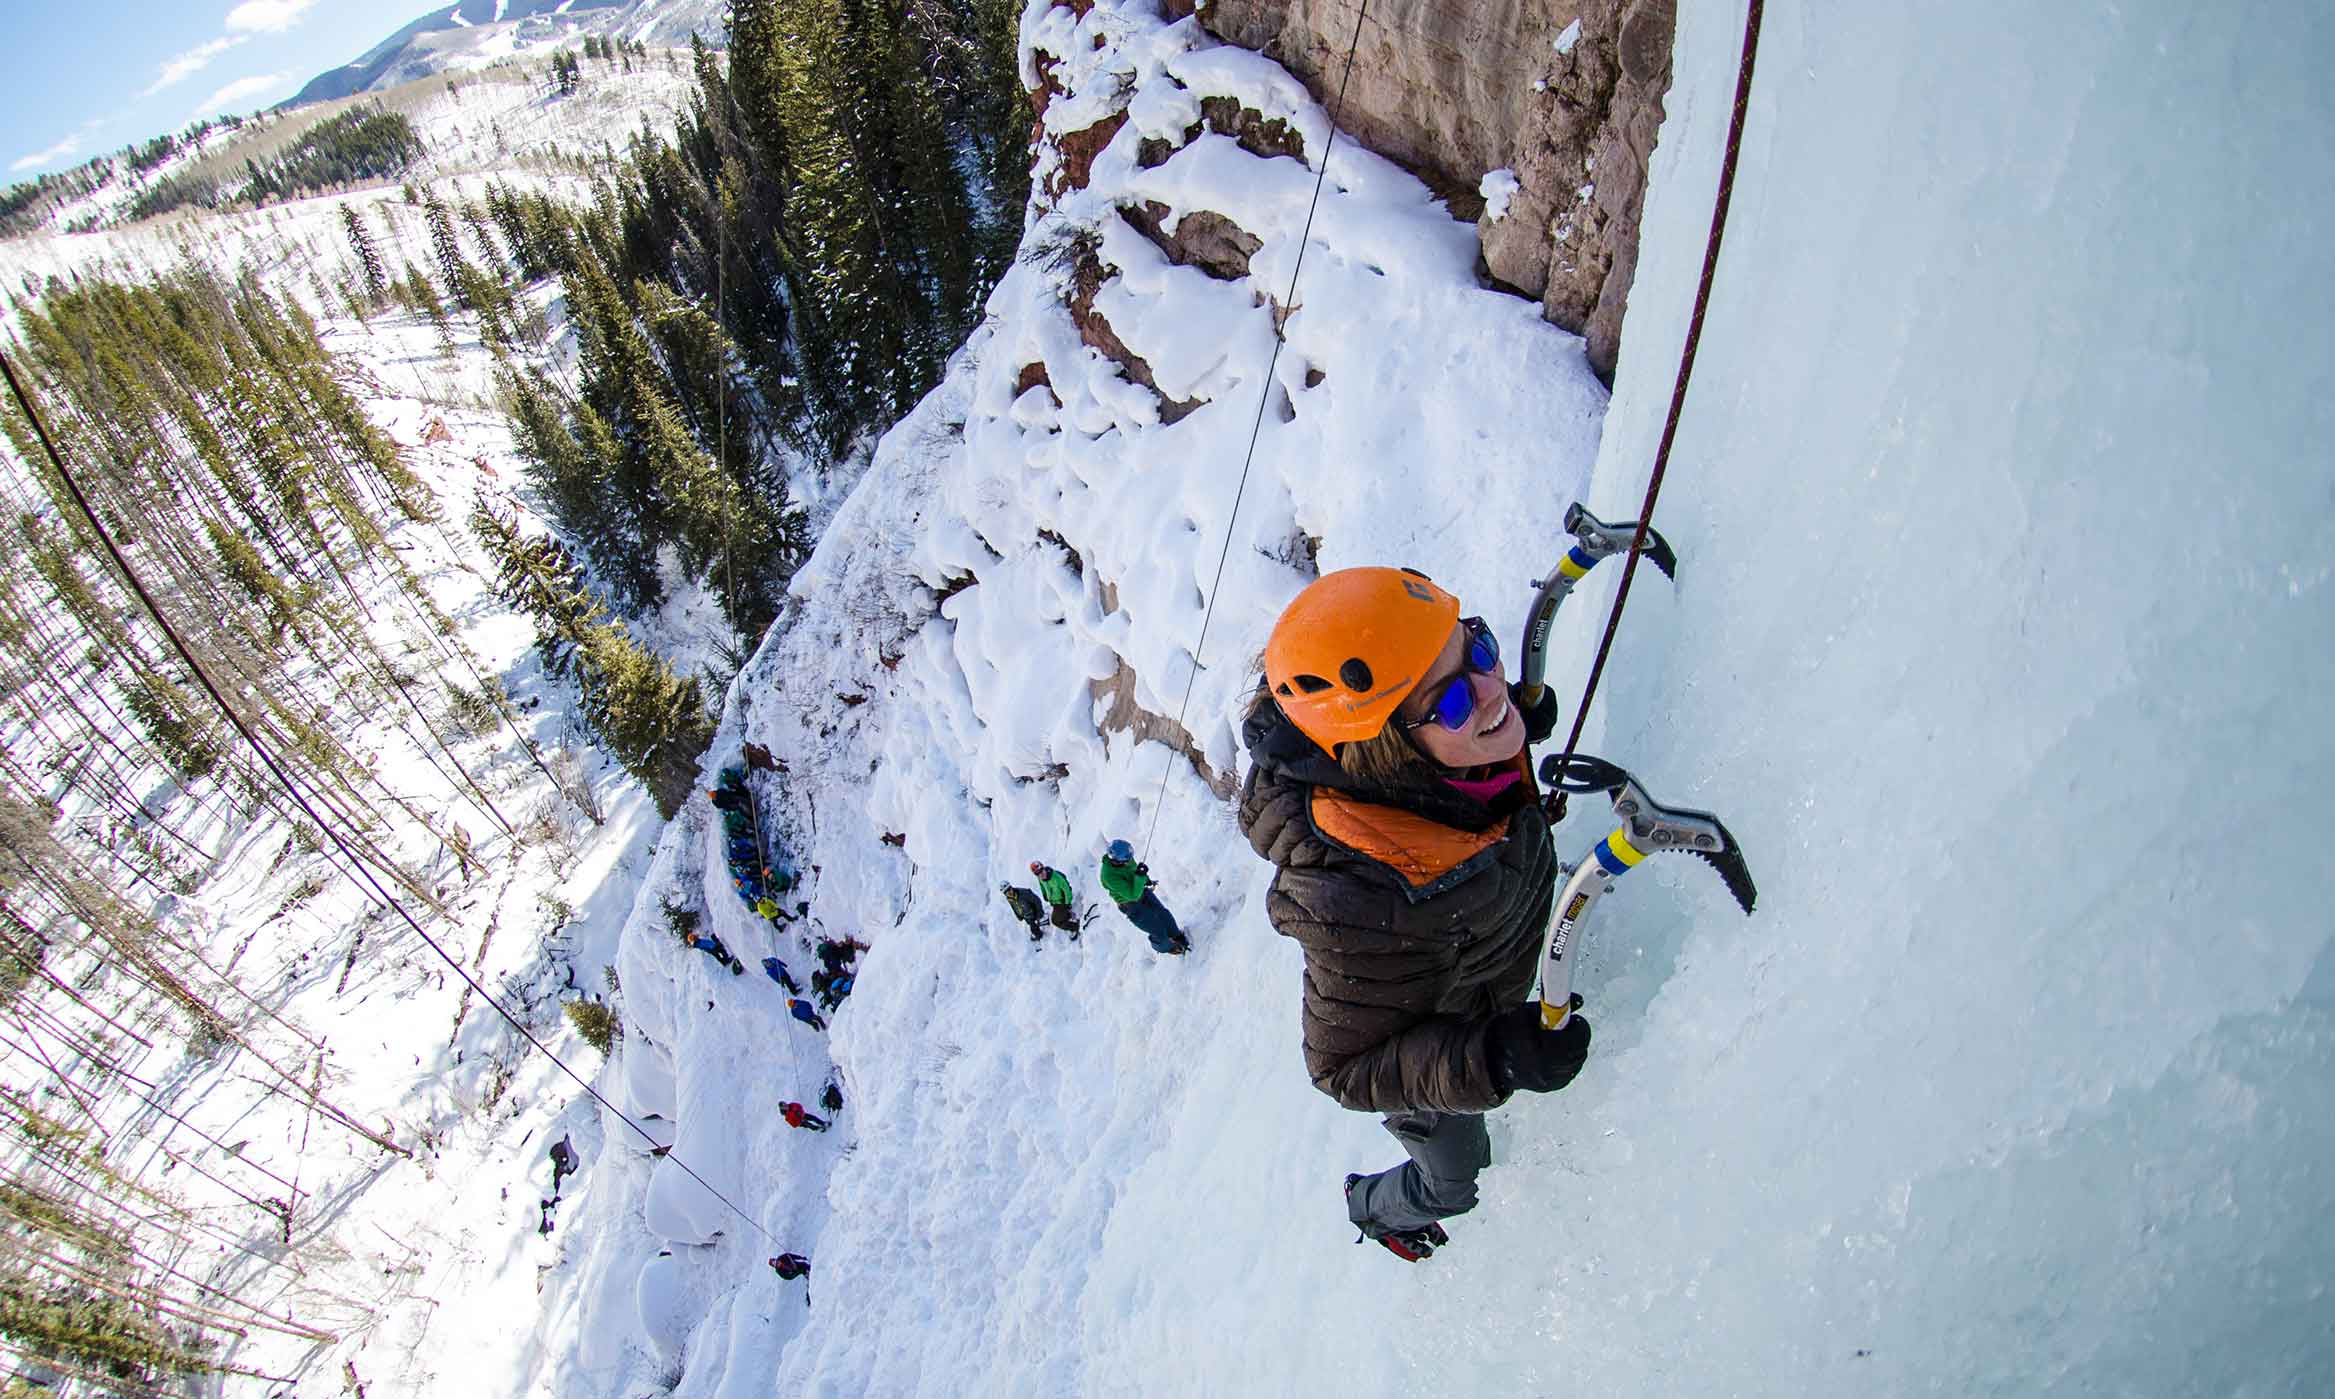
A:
782, 275
362, 144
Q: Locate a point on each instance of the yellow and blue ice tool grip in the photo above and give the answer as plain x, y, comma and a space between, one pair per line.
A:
1595, 540
1647, 827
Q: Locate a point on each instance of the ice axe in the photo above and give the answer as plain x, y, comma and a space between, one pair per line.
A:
1597, 540
1647, 827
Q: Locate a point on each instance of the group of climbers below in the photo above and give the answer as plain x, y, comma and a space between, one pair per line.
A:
832, 982
758, 876
759, 880
1127, 881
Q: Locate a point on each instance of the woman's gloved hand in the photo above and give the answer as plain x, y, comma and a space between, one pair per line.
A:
1540, 720
1524, 1057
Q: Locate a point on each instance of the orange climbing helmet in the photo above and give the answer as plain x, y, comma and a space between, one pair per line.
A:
1349, 648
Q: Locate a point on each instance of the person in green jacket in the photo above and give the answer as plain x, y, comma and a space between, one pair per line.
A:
1054, 888
1129, 885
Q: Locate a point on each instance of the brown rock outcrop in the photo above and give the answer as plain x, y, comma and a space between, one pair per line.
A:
1203, 239
1571, 231
1126, 716
1452, 89
1079, 150
1087, 279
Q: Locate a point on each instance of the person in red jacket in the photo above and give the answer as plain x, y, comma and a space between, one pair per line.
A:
796, 1117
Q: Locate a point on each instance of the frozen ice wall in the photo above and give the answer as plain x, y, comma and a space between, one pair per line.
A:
2005, 643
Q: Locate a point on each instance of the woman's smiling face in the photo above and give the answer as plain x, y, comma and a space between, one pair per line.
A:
1494, 732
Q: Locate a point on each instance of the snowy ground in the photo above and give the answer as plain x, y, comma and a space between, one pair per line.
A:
419, 1267
505, 122
411, 1263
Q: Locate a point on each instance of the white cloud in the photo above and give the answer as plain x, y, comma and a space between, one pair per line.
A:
187, 64
238, 95
50, 156
70, 145
267, 16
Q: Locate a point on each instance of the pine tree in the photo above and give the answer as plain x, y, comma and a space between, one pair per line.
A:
368, 256
877, 220
452, 265
475, 218
654, 722
596, 1022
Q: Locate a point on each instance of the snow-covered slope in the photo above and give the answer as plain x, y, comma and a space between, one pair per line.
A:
477, 32
417, 1267
1999, 640
410, 1265
506, 124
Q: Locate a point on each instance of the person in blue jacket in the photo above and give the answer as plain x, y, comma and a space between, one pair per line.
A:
712, 947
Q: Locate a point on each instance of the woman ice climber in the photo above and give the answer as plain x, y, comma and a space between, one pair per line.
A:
1391, 789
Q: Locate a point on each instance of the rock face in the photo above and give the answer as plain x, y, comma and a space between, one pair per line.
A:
1566, 93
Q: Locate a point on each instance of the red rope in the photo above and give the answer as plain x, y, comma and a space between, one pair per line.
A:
1694, 336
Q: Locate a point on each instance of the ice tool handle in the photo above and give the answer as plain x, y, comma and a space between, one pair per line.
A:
1646, 828
1595, 540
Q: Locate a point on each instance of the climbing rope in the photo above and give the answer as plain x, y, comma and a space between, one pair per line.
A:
1264, 397
283, 777
1694, 336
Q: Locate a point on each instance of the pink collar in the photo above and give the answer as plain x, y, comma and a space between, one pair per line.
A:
1483, 789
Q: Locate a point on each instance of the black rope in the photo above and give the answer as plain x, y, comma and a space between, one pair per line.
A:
1694, 336
284, 778
1264, 397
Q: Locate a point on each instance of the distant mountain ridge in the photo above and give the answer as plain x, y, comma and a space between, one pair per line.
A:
473, 31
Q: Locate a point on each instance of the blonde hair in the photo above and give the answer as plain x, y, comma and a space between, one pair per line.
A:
1387, 759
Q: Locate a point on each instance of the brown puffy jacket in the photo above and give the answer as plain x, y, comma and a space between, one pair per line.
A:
1421, 914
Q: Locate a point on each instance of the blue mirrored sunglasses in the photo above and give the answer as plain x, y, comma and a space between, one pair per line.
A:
1455, 702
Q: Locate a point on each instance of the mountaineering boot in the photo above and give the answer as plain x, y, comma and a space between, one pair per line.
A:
1415, 1245
1410, 1245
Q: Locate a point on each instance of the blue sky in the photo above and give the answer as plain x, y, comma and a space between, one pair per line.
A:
84, 77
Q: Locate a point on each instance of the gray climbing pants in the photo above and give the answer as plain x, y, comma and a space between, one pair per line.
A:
1448, 1150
